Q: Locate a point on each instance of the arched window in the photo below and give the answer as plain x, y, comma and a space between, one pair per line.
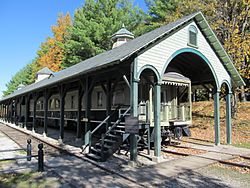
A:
192, 32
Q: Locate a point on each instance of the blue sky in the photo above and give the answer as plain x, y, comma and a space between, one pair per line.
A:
24, 26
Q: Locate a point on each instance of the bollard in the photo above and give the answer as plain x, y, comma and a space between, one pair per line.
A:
40, 158
29, 150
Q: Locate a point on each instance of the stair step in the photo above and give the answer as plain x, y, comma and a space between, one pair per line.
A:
120, 127
118, 131
113, 136
106, 147
110, 141
93, 157
96, 151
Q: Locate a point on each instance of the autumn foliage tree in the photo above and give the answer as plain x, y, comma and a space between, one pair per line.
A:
228, 18
51, 52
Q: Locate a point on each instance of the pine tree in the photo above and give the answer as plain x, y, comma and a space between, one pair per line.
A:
24, 77
93, 26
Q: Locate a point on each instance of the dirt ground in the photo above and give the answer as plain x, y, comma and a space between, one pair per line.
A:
203, 123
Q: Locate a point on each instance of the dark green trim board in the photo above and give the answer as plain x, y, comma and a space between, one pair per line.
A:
229, 85
151, 67
157, 118
134, 109
228, 118
217, 117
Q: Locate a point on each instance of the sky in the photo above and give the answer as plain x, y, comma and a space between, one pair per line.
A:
24, 25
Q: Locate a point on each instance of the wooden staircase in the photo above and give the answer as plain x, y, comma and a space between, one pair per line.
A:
110, 141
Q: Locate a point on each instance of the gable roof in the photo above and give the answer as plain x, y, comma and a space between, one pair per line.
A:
123, 32
45, 70
120, 53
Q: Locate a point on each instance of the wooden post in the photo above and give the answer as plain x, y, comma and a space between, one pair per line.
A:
157, 118
45, 99
217, 117
5, 112
27, 107
134, 109
35, 97
20, 110
15, 112
108, 102
62, 102
190, 101
228, 118
87, 100
11, 112
79, 110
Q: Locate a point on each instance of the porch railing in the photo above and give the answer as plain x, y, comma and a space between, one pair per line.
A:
170, 112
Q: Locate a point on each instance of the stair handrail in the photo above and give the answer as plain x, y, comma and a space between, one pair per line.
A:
89, 133
106, 119
112, 127
118, 121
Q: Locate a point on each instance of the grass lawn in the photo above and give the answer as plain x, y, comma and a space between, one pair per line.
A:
29, 179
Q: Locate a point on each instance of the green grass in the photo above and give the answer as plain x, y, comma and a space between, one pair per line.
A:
29, 179
243, 145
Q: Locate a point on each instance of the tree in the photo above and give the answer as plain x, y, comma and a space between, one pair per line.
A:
228, 18
51, 52
93, 26
24, 76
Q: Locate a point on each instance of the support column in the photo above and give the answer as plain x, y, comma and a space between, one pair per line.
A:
134, 113
190, 100
34, 112
79, 110
157, 118
108, 103
12, 118
20, 110
15, 112
217, 117
87, 100
62, 102
228, 118
45, 121
27, 106
9, 112
5, 112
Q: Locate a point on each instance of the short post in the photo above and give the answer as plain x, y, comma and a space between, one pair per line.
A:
40, 158
29, 150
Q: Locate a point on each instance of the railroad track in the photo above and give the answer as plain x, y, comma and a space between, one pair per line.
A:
237, 161
21, 137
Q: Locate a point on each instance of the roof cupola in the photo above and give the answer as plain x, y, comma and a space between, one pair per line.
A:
43, 73
122, 36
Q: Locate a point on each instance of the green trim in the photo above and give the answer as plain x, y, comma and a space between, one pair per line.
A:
134, 108
157, 118
228, 85
217, 117
151, 67
193, 46
228, 119
191, 50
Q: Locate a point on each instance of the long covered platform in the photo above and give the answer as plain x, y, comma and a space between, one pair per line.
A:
150, 77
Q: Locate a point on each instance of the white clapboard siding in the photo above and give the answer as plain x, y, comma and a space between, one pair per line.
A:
159, 54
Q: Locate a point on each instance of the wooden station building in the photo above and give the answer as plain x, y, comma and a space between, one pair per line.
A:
150, 77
